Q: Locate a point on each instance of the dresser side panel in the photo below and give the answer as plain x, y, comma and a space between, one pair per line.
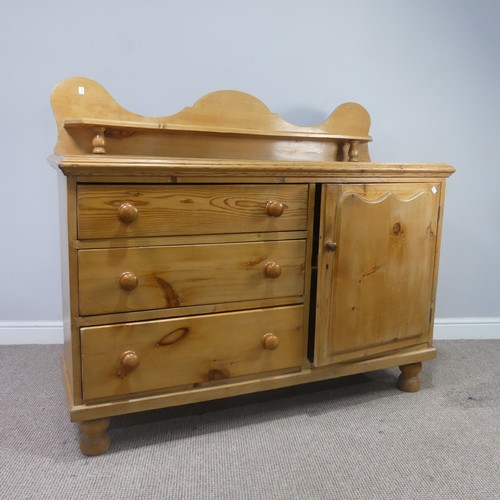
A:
442, 194
69, 274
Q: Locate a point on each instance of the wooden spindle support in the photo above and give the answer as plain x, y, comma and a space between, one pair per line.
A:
99, 141
353, 151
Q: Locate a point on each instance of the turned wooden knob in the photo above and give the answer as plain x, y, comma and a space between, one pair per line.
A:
331, 246
127, 213
272, 270
274, 208
129, 361
128, 281
270, 341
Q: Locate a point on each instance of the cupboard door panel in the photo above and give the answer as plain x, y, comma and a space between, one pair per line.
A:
375, 269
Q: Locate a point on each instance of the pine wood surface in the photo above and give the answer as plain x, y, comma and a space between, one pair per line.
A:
68, 227
409, 380
94, 440
184, 209
375, 286
221, 251
190, 394
223, 124
216, 170
189, 350
190, 239
186, 275
153, 314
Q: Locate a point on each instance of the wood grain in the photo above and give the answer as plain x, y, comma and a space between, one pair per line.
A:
191, 394
409, 380
375, 288
94, 439
69, 275
183, 209
187, 275
223, 124
220, 251
230, 343
210, 171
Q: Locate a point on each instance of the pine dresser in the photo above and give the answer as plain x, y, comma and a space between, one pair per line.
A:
222, 251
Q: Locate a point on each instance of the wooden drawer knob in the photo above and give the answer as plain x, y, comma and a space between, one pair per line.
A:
127, 213
129, 361
274, 208
270, 341
128, 281
272, 270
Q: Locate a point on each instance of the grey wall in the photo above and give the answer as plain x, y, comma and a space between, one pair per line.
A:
428, 72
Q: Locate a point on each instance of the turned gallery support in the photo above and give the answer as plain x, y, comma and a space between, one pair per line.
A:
409, 380
353, 151
99, 141
94, 440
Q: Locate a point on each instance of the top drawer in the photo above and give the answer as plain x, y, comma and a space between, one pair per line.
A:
118, 211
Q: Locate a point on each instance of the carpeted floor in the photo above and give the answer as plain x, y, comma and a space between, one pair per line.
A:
353, 438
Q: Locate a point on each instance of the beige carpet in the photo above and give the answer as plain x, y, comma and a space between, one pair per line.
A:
354, 438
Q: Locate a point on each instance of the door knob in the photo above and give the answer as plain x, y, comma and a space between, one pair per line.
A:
331, 246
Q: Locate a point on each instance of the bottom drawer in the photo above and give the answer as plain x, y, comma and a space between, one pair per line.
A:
137, 357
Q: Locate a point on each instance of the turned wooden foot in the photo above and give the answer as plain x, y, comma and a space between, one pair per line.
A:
409, 380
94, 439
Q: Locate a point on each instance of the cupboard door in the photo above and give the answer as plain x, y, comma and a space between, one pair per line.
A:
377, 253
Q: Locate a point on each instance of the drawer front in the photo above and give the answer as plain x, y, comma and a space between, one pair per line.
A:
134, 279
118, 211
137, 357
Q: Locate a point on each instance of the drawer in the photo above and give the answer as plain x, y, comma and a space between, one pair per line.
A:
137, 357
134, 279
118, 211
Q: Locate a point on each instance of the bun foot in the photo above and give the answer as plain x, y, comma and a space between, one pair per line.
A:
94, 439
409, 380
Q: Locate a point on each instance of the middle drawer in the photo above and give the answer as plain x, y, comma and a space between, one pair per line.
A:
134, 279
